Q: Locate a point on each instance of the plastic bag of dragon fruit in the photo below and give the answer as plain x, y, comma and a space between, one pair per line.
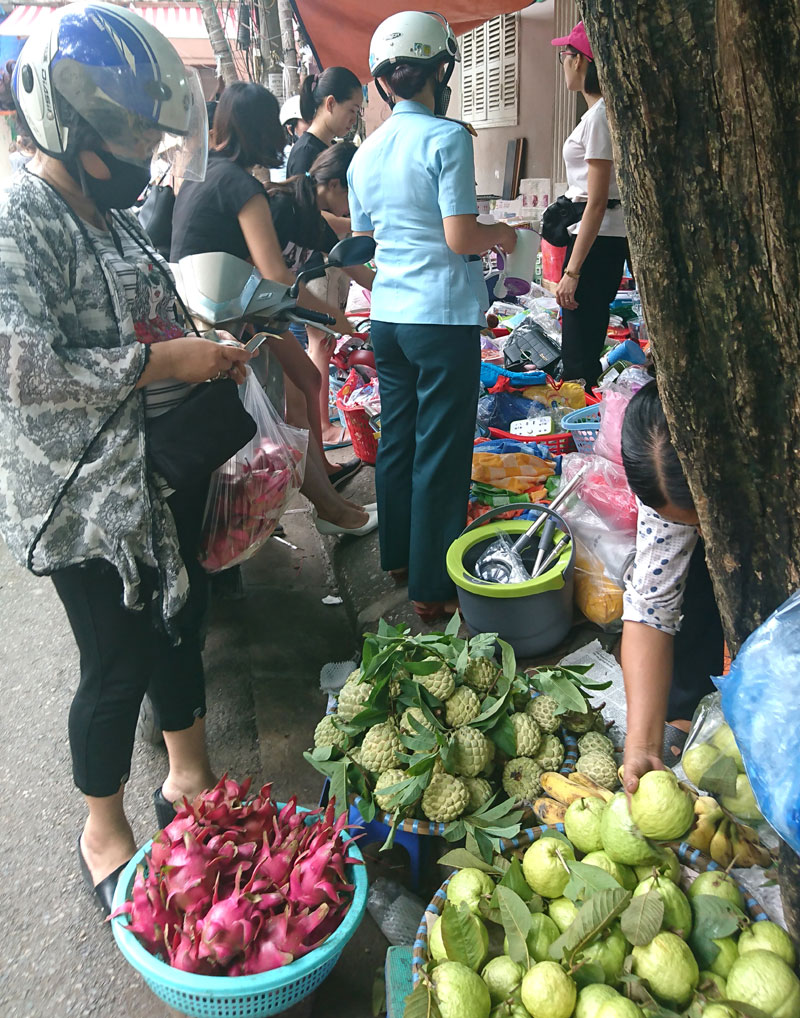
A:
249, 493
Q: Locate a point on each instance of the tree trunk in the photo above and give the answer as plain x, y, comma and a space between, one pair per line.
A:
270, 33
219, 43
290, 77
702, 100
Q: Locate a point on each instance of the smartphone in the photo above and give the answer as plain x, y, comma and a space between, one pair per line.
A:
253, 344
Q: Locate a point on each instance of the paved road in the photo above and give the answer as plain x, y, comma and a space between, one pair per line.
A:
263, 659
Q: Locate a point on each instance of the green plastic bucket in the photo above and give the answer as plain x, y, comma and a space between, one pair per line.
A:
533, 616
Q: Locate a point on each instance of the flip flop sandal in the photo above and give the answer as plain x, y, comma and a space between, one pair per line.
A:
674, 741
341, 444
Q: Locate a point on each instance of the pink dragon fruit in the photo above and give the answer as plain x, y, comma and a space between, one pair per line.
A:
229, 926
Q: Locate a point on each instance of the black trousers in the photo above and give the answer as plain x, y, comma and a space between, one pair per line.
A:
125, 653
699, 645
583, 329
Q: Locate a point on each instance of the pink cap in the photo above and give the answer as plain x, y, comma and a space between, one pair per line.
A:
578, 39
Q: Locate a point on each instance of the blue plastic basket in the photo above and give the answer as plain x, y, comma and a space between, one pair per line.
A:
583, 425
237, 996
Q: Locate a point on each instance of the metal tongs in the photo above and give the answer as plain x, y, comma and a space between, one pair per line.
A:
496, 565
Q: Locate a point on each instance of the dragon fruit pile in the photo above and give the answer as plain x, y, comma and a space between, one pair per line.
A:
235, 887
247, 499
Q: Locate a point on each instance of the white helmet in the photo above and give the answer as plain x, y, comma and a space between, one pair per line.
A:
412, 37
121, 76
291, 110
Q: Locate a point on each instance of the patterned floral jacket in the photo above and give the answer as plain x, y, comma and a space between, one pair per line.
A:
74, 483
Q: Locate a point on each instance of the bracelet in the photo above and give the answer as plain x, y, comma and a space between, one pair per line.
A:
572, 275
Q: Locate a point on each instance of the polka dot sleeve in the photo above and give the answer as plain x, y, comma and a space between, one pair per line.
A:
654, 586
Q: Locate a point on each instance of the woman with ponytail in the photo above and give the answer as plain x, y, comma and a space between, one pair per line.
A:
330, 104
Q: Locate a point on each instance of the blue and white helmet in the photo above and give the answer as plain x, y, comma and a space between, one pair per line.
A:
120, 75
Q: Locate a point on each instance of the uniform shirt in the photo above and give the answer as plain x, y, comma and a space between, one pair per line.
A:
656, 583
405, 178
304, 151
206, 212
591, 139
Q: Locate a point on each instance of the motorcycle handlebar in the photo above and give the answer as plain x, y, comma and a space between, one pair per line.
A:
313, 316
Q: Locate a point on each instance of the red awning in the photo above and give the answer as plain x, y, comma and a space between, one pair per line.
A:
182, 24
340, 30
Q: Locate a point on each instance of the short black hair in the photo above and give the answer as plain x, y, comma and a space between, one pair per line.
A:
651, 464
247, 126
591, 83
340, 82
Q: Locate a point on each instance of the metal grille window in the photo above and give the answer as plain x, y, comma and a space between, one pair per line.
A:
489, 73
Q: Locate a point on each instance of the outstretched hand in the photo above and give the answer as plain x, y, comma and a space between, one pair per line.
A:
638, 761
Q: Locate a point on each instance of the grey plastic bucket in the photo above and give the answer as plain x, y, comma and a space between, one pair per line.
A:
535, 616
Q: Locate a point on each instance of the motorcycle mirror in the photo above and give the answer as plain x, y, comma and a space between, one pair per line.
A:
351, 251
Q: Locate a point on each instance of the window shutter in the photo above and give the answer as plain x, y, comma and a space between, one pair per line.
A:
489, 70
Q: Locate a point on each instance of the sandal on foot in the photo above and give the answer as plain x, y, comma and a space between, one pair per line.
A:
165, 810
104, 891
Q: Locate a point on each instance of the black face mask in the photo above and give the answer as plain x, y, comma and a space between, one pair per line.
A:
126, 183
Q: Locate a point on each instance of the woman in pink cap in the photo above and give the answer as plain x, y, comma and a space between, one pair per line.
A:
598, 244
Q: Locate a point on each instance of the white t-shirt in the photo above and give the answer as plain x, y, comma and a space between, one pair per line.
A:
591, 139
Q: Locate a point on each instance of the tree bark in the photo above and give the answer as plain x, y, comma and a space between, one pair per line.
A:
218, 40
291, 77
702, 100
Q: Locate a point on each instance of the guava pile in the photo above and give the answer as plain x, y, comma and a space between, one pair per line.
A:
435, 727
597, 926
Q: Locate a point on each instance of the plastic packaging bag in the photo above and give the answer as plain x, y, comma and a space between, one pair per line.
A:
616, 549
761, 702
249, 493
596, 595
604, 489
395, 910
501, 563
712, 762
609, 437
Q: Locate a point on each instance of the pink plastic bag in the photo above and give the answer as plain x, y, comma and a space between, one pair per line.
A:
604, 488
249, 493
609, 438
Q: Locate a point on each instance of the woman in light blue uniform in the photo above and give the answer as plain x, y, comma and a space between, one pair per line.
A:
412, 186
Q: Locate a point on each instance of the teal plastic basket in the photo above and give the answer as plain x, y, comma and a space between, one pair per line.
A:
583, 425
237, 996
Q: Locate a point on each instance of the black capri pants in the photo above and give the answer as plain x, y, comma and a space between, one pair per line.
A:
126, 653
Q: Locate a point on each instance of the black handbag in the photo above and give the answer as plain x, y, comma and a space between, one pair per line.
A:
564, 212
155, 217
187, 444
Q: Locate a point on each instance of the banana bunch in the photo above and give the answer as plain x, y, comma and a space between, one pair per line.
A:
566, 789
728, 843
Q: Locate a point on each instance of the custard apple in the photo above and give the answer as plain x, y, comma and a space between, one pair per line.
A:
480, 673
576, 722
595, 741
327, 734
439, 683
529, 738
487, 770
353, 697
445, 798
416, 713
543, 711
355, 755
551, 753
480, 792
471, 752
395, 688
521, 779
380, 746
600, 767
388, 778
462, 707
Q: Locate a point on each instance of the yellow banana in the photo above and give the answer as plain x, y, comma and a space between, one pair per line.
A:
564, 789
721, 848
702, 833
747, 850
549, 811
591, 786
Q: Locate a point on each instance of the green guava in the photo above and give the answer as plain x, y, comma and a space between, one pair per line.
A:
743, 804
548, 992
669, 968
621, 841
677, 910
718, 884
582, 824
509, 1009
764, 980
767, 936
725, 742
712, 985
562, 911
697, 760
592, 998
468, 886
439, 951
668, 865
728, 953
544, 866
621, 1007
502, 977
542, 934
660, 809
609, 953
623, 874
719, 1011
460, 992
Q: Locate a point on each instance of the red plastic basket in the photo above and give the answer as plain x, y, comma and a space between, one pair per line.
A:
365, 444
557, 444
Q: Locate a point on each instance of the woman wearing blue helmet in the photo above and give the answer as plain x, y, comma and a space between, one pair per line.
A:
91, 351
